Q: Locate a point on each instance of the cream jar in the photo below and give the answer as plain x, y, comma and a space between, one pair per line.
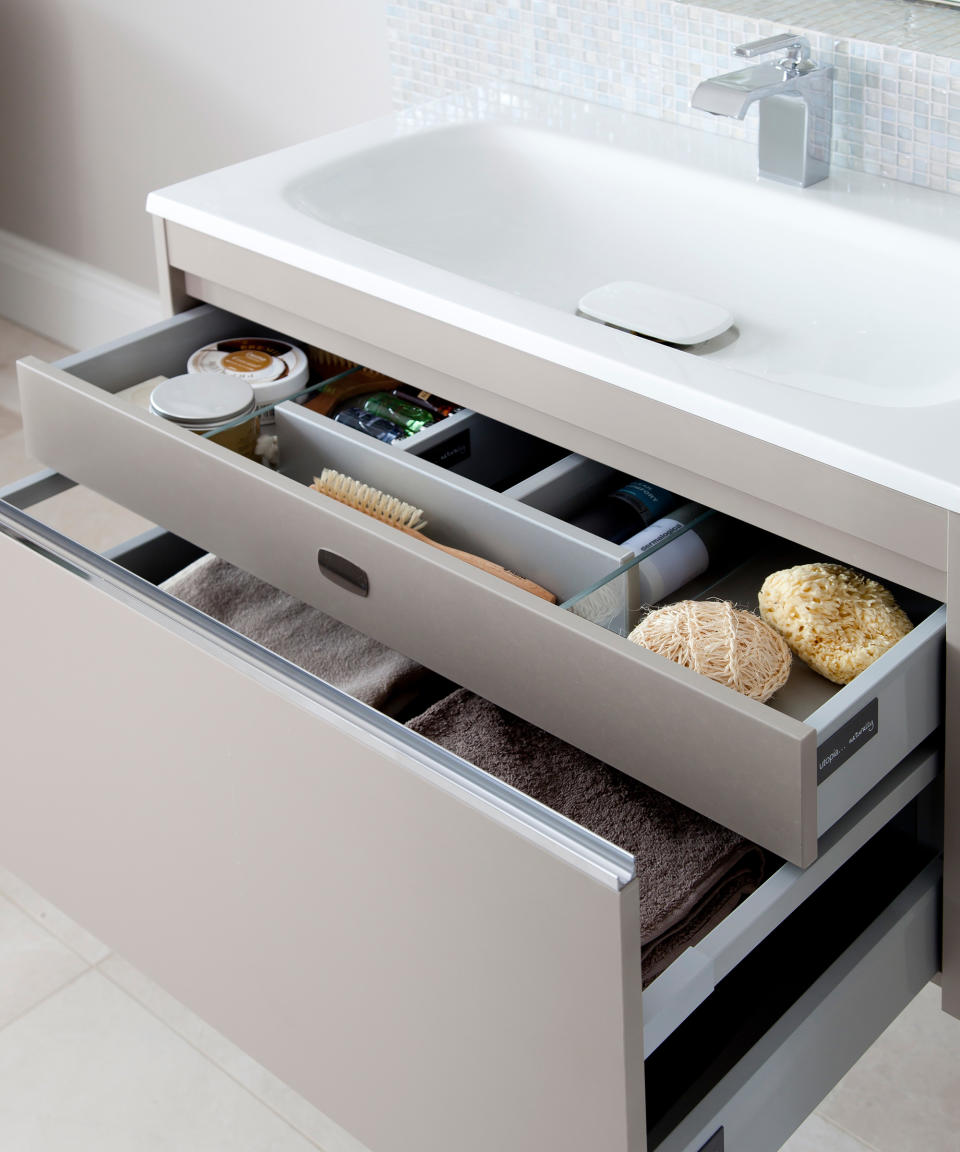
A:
275, 369
204, 401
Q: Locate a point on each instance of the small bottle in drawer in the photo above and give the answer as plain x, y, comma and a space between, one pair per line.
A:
626, 511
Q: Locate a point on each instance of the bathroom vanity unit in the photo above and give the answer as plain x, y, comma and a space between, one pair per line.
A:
435, 960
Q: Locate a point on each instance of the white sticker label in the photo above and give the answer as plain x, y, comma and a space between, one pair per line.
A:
672, 566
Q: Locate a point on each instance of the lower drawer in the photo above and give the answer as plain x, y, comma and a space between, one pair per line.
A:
349, 905
798, 1015
749, 766
393, 935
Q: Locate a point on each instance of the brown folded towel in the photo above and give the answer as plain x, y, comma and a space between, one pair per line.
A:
335, 652
692, 871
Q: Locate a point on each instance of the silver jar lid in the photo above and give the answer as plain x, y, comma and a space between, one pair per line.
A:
202, 400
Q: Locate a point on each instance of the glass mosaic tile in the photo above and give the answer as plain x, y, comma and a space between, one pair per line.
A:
897, 63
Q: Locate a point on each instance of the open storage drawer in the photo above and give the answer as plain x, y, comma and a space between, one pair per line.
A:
741, 763
197, 794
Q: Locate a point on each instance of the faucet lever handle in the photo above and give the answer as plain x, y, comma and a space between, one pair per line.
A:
796, 50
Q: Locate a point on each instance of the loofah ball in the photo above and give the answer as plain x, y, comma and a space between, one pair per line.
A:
836, 620
725, 643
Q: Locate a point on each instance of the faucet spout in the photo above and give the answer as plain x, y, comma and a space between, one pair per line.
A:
733, 93
795, 97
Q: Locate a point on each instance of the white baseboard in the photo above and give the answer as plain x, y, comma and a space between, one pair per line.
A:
74, 303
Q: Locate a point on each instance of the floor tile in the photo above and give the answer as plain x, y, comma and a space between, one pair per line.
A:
243, 1068
67, 931
83, 515
33, 964
90, 519
14, 343
9, 389
9, 421
14, 461
817, 1134
91, 1069
903, 1095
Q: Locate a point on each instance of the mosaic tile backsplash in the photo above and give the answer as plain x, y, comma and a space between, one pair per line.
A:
897, 103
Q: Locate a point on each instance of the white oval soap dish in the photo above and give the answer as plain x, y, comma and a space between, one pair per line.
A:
656, 312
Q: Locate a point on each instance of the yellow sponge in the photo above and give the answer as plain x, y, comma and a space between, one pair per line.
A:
834, 619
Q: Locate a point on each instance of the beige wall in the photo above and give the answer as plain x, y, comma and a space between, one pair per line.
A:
102, 100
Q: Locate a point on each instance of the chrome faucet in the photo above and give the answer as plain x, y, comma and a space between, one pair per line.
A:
796, 107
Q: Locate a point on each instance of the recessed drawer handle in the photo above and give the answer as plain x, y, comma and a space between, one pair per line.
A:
343, 572
715, 1143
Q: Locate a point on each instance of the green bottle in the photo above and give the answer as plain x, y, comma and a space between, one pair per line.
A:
400, 411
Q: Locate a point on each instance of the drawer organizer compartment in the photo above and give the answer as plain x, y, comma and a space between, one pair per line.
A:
459, 512
746, 765
566, 485
482, 450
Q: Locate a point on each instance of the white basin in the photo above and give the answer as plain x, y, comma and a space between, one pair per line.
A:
822, 300
493, 212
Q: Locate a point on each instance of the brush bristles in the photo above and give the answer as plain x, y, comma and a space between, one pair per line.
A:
369, 500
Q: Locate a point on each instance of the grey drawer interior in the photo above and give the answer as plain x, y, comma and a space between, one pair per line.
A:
749, 766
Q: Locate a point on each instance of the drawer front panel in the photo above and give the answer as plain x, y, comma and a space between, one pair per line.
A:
311, 890
733, 759
886, 711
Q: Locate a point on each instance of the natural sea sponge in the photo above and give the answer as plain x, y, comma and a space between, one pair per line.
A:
834, 619
728, 644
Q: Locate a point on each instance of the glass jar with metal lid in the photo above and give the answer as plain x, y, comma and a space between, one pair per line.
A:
207, 401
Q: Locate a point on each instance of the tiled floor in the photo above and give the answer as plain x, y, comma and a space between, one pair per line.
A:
94, 1056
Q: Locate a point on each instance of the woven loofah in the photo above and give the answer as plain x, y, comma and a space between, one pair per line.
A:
725, 643
836, 620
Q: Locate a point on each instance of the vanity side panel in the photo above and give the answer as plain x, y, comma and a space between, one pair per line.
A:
951, 772
421, 973
173, 292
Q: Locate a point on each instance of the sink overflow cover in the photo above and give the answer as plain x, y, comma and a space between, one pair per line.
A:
659, 313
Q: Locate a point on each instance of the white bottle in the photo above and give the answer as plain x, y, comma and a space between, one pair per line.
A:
678, 561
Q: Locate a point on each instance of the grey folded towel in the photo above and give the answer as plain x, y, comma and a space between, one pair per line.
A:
692, 871
335, 652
